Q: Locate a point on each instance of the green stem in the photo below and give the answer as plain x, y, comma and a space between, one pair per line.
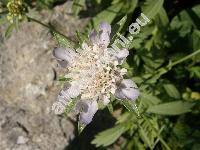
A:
164, 70
183, 59
47, 26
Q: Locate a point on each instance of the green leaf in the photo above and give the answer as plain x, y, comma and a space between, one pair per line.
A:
107, 15
172, 91
162, 19
129, 6
171, 108
194, 72
62, 78
62, 41
131, 106
77, 6
152, 7
9, 30
81, 37
118, 27
81, 127
195, 39
110, 108
109, 136
71, 105
148, 99
144, 136
148, 130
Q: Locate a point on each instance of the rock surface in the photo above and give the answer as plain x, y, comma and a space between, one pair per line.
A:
28, 87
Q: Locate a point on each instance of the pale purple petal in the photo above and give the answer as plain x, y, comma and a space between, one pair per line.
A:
128, 83
127, 90
94, 37
119, 94
62, 53
131, 93
104, 39
122, 54
69, 92
63, 56
63, 93
73, 91
86, 117
105, 27
63, 63
82, 106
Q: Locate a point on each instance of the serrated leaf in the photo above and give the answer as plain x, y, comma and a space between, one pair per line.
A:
172, 91
131, 106
171, 108
109, 136
144, 136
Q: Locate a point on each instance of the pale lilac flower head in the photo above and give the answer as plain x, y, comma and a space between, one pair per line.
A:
94, 74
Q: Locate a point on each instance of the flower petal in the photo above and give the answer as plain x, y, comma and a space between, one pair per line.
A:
104, 39
86, 117
69, 92
63, 63
62, 53
94, 37
121, 55
73, 91
131, 93
128, 83
64, 94
81, 106
119, 94
105, 27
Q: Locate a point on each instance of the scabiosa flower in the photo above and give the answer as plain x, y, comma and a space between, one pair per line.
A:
95, 73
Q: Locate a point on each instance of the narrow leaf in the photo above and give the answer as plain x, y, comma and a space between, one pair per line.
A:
171, 108
108, 136
172, 91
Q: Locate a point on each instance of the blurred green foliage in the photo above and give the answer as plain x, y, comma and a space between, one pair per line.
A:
161, 65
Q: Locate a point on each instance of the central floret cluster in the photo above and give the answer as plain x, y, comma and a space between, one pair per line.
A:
95, 73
